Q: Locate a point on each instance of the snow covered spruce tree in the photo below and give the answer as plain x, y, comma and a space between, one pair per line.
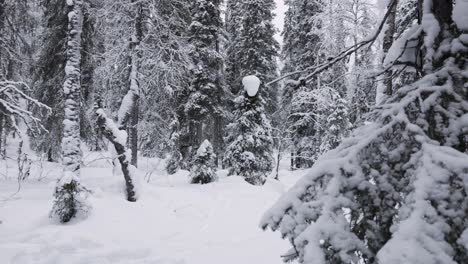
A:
249, 153
336, 125
202, 115
69, 193
203, 168
48, 79
395, 191
258, 48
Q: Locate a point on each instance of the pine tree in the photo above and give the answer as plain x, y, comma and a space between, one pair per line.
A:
393, 191
69, 191
174, 162
249, 153
203, 169
202, 114
49, 78
258, 48
336, 125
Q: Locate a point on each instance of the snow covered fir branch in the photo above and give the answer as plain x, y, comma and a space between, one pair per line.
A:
176, 131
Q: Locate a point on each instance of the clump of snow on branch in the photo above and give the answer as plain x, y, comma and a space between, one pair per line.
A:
13, 104
459, 14
251, 84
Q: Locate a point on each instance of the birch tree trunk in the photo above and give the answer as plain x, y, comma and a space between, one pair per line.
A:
68, 200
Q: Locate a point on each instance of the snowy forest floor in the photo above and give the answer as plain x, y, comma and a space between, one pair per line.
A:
173, 222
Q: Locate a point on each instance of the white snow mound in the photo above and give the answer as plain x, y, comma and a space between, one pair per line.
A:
251, 84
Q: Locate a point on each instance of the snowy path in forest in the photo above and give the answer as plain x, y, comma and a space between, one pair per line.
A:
173, 222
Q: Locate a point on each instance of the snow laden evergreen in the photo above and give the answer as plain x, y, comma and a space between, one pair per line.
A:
48, 79
336, 125
203, 168
257, 49
249, 153
318, 119
174, 161
395, 190
201, 104
69, 193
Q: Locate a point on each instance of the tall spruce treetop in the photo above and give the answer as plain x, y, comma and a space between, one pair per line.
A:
204, 92
258, 48
395, 190
301, 38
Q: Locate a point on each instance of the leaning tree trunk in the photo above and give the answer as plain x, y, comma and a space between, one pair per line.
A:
67, 193
115, 136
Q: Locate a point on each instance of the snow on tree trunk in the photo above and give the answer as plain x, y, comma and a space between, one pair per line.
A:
129, 110
69, 193
118, 138
203, 169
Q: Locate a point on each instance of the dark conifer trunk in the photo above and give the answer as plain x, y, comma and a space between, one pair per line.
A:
388, 42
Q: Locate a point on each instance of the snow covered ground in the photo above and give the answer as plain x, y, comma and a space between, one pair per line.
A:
172, 222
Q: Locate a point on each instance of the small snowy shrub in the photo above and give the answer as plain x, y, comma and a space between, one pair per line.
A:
69, 201
173, 162
203, 167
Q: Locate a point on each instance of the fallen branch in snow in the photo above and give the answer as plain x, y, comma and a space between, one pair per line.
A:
118, 138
